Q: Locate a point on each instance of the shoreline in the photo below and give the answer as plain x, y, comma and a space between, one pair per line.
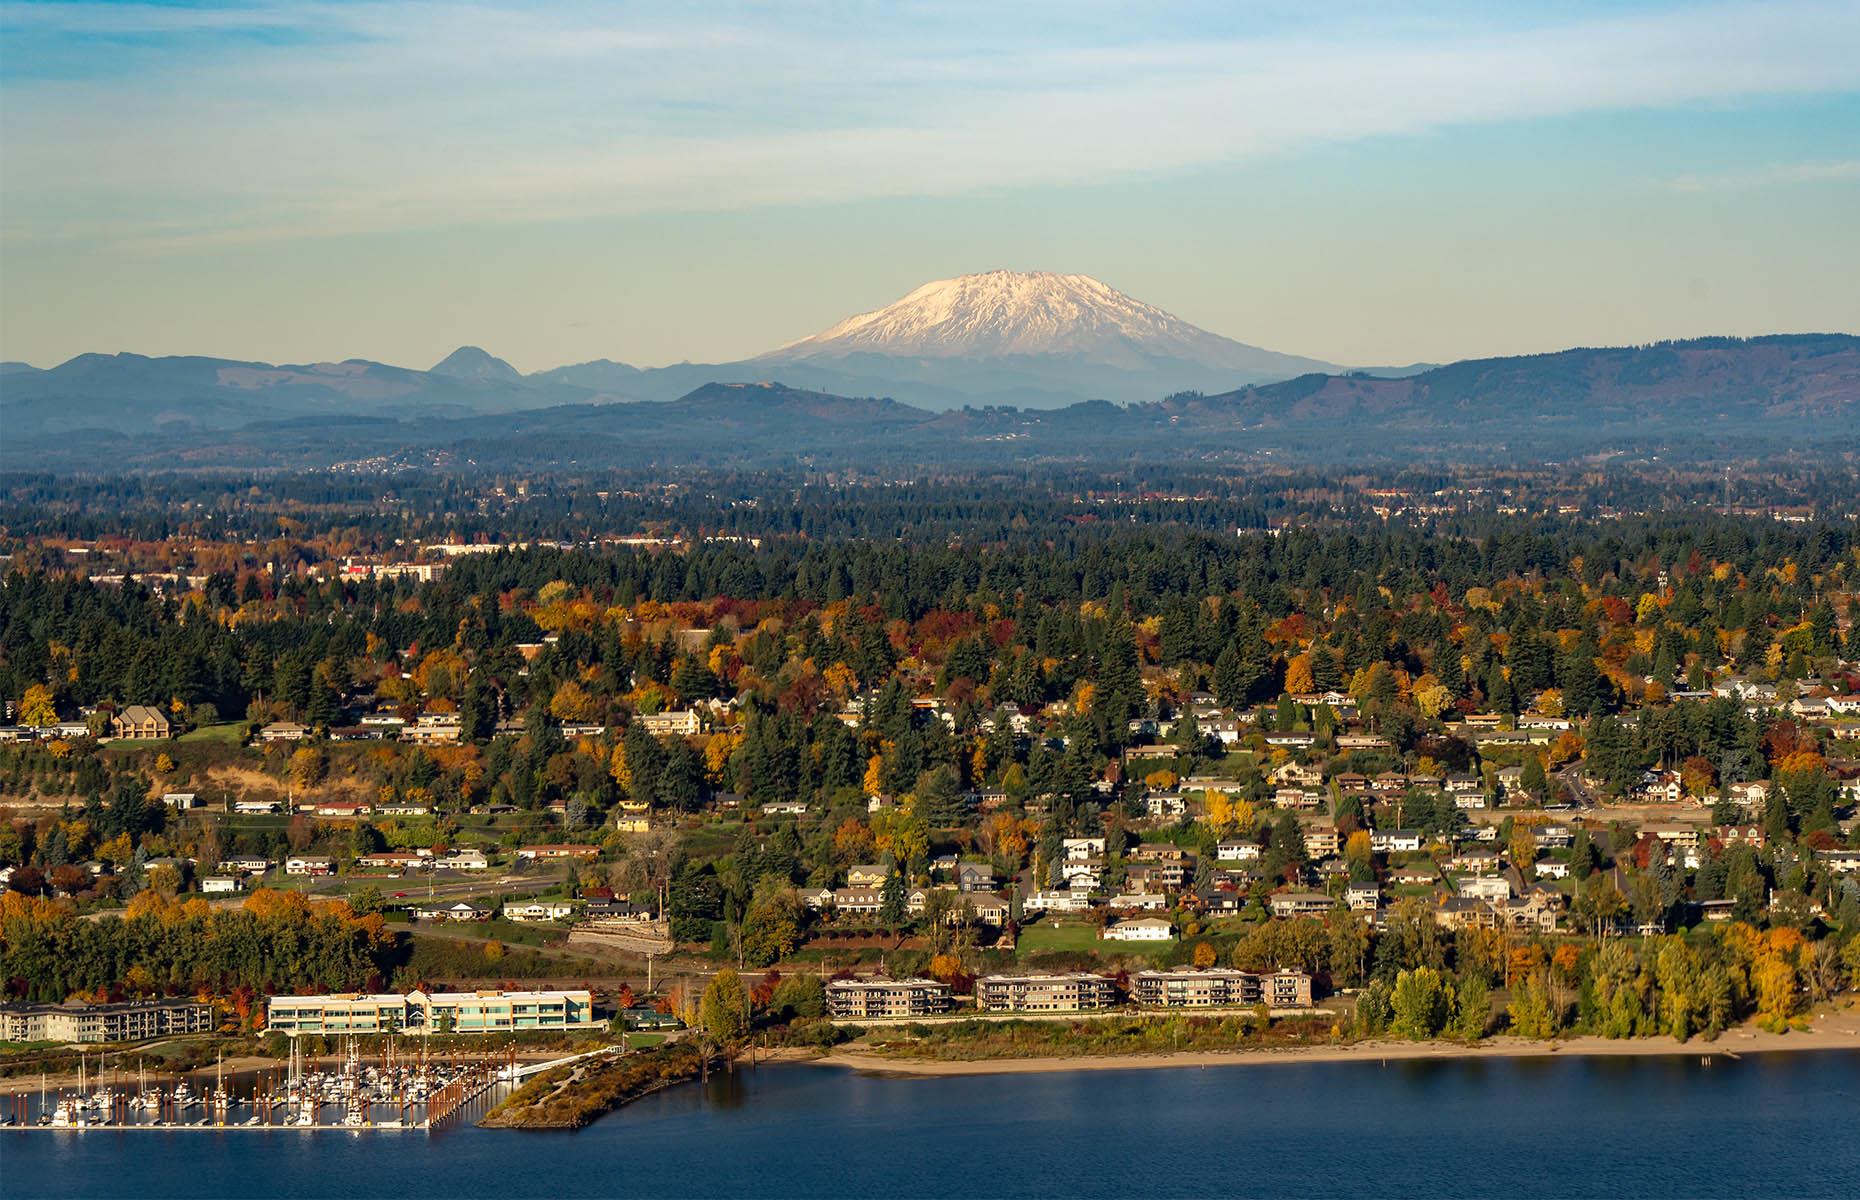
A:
1834, 1031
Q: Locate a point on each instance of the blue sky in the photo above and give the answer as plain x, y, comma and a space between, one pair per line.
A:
1367, 183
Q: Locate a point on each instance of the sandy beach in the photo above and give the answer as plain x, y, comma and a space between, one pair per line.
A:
1831, 1030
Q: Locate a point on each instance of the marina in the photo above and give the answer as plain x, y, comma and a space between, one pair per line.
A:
403, 1090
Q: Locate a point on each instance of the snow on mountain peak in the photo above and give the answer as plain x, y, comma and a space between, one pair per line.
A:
999, 313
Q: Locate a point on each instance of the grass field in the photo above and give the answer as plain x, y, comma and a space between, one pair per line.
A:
229, 733
1065, 935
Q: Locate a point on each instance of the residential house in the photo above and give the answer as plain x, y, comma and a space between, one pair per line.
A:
531, 911
1363, 896
556, 852
344, 809
1165, 806
1396, 841
1155, 876
1300, 904
1841, 862
1321, 838
432, 729
1554, 837
394, 860
1141, 929
306, 864
1461, 912
284, 731
974, 877
462, 911
1057, 900
1484, 887
868, 875
141, 722
986, 908
678, 723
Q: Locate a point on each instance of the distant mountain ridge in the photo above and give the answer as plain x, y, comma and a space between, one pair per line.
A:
1709, 395
473, 362
1026, 339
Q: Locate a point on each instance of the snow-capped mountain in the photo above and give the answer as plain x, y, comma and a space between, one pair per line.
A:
1027, 335
1013, 313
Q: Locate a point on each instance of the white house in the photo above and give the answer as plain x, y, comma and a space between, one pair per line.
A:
1387, 841
539, 910
463, 860
212, 885
1057, 901
1484, 887
1141, 929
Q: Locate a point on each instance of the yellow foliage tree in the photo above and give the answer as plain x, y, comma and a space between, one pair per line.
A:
572, 702
37, 708
1773, 979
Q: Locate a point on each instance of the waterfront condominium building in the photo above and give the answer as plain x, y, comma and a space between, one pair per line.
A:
432, 1012
856, 998
130, 1022
1190, 987
1045, 993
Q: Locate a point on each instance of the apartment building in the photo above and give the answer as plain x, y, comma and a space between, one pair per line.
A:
1078, 992
432, 1012
860, 998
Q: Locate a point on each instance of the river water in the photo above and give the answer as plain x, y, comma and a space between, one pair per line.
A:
1762, 1125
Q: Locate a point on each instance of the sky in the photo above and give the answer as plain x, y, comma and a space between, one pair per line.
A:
1370, 184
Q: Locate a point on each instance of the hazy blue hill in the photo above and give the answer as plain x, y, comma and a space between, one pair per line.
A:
134, 393
1703, 397
473, 362
1689, 386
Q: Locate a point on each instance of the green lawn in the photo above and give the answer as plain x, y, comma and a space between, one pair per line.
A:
229, 733
1064, 935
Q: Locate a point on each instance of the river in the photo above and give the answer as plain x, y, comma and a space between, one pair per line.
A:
1770, 1125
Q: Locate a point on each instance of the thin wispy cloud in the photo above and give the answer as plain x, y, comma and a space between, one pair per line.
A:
165, 129
1774, 175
